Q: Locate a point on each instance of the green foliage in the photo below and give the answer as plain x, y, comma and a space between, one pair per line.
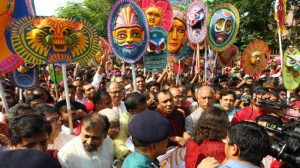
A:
95, 11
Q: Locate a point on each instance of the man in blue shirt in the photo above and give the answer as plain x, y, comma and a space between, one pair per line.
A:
246, 145
149, 131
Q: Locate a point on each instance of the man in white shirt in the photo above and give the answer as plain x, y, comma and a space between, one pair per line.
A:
205, 98
115, 91
92, 149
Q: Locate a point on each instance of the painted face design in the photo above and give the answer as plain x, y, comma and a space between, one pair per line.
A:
128, 31
223, 26
255, 57
153, 16
291, 68
227, 55
26, 76
156, 56
46, 40
196, 22
176, 36
158, 12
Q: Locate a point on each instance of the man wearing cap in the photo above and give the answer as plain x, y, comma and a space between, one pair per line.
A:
149, 131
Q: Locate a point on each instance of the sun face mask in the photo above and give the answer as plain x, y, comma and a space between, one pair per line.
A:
158, 12
156, 57
291, 68
255, 57
196, 22
223, 26
46, 40
128, 31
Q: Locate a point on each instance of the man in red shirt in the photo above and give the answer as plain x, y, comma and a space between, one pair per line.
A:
166, 107
255, 109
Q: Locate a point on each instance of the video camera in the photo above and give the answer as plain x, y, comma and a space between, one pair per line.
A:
285, 144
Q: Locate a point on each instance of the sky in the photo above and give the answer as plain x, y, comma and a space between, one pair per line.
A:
47, 7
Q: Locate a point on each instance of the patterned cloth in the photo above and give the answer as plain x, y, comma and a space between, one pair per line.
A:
195, 153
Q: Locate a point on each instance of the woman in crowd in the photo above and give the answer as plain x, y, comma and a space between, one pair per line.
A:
56, 139
207, 141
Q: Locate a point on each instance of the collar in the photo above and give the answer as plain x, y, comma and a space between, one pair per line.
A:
235, 163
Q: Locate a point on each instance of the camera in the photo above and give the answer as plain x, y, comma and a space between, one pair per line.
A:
285, 144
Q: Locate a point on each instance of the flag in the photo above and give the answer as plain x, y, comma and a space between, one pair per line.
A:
280, 14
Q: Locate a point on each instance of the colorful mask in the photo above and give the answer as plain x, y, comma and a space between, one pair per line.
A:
176, 36
180, 3
291, 68
157, 53
158, 12
26, 76
103, 51
196, 22
223, 26
55, 72
128, 31
225, 57
45, 40
255, 57
9, 11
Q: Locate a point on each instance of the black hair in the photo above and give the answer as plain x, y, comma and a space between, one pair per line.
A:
141, 76
252, 140
163, 91
152, 83
69, 87
27, 126
93, 119
50, 98
43, 109
260, 90
30, 98
229, 92
14, 111
99, 95
134, 99
272, 120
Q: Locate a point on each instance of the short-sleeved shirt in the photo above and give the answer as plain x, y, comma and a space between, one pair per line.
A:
138, 160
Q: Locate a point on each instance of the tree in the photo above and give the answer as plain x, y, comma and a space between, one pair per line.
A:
95, 11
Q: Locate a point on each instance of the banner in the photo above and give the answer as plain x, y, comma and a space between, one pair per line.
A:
174, 158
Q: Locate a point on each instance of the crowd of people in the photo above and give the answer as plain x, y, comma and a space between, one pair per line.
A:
217, 119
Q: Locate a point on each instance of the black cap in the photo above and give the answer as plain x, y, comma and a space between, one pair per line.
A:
27, 158
149, 126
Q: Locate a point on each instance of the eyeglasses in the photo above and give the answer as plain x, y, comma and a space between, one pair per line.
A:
55, 120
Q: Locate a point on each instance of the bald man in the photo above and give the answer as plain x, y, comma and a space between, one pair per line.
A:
178, 100
115, 91
205, 97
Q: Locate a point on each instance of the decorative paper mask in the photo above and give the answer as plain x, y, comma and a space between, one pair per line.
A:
223, 26
291, 68
128, 31
158, 12
157, 53
26, 76
104, 50
176, 36
196, 22
45, 40
58, 73
255, 57
225, 57
9, 11
180, 3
